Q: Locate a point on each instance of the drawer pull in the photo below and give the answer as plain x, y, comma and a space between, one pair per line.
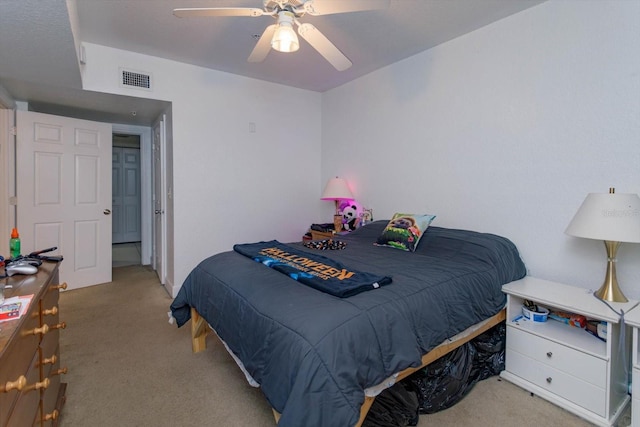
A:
60, 325
59, 371
41, 330
14, 385
52, 416
51, 360
549, 379
37, 386
549, 354
50, 312
61, 286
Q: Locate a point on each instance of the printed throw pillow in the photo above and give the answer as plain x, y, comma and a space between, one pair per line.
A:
404, 231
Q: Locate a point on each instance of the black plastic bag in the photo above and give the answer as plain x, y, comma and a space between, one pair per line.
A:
396, 406
489, 360
445, 381
441, 384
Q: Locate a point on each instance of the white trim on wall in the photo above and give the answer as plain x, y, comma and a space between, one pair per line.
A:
6, 123
7, 166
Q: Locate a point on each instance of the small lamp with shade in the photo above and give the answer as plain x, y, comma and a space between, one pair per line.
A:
613, 218
337, 189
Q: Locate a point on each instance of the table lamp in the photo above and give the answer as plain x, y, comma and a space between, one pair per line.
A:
337, 189
614, 218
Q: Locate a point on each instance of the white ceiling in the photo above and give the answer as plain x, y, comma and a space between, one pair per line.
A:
38, 61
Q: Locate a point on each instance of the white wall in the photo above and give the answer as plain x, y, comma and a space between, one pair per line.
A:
229, 185
504, 130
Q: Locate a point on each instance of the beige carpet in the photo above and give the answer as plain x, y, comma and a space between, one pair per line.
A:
124, 254
129, 367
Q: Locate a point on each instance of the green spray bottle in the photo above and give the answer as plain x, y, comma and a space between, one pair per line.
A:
14, 244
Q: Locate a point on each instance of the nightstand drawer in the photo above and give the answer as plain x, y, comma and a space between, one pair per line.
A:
557, 356
555, 381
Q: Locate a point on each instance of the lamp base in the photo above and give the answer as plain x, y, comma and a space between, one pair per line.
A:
610, 291
337, 223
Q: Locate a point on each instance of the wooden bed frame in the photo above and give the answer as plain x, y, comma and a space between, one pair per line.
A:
199, 330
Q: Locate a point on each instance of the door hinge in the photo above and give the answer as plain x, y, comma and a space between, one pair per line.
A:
13, 201
13, 131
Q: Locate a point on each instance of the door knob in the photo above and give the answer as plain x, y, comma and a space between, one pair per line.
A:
158, 211
107, 211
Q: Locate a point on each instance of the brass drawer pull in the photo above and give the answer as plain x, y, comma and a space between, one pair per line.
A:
41, 330
61, 325
39, 385
60, 286
59, 371
50, 312
14, 385
52, 416
51, 360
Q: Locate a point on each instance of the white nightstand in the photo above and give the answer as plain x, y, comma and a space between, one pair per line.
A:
565, 364
633, 319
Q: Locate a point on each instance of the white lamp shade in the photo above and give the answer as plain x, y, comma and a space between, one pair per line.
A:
285, 38
608, 216
337, 189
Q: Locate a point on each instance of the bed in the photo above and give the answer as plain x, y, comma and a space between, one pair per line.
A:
321, 359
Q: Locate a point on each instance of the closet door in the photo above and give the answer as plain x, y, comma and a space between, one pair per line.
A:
126, 195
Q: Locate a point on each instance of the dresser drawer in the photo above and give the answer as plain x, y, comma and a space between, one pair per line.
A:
26, 405
49, 302
558, 382
51, 371
16, 362
562, 358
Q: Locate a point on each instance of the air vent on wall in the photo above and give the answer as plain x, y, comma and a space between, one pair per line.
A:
135, 79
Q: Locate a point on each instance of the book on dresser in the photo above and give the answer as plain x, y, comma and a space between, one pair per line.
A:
15, 307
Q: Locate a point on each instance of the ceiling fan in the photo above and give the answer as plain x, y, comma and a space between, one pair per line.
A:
280, 36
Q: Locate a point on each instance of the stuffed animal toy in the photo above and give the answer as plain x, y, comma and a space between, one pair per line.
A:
350, 211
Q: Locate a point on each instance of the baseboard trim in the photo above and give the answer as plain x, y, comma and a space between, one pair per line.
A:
171, 290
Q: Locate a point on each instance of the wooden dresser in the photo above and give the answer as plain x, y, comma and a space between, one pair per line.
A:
31, 390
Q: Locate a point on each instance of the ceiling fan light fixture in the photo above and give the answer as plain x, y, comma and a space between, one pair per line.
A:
285, 38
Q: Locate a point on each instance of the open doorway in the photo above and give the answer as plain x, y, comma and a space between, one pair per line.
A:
126, 200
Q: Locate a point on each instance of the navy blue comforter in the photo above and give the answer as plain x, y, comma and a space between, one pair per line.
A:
313, 353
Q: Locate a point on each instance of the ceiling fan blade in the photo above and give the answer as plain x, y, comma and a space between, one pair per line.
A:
217, 11
262, 48
328, 7
324, 47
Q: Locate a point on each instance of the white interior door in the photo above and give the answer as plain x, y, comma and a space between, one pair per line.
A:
159, 201
125, 202
64, 193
